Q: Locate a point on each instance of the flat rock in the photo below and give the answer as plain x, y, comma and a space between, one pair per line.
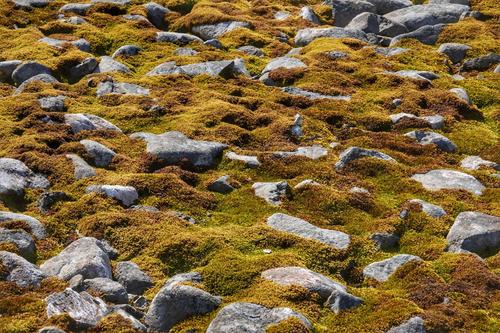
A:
36, 227
251, 50
212, 31
376, 24
48, 199
441, 179
22, 240
413, 325
19, 270
81, 168
120, 88
84, 256
306, 36
88, 122
430, 209
77, 8
126, 195
132, 277
273, 192
343, 11
50, 329
283, 62
251, 318
82, 44
427, 138
480, 63
15, 177
302, 228
390, 51
250, 161
354, 153
313, 95
100, 154
306, 183
456, 52
476, 162
221, 185
416, 75
28, 70
313, 152
185, 52
474, 232
177, 38
107, 289
382, 270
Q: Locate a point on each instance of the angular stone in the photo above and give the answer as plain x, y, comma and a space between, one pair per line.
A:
343, 11
22, 240
476, 162
53, 103
435, 122
461, 93
156, 15
385, 241
177, 38
314, 95
428, 34
127, 195
28, 70
36, 227
77, 8
185, 52
306, 36
455, 51
87, 66
213, 43
386, 6
413, 325
416, 75
81, 44
47, 199
430, 209
109, 290
301, 228
341, 300
132, 277
100, 154
20, 271
354, 153
250, 161
88, 122
273, 192
7, 68
382, 270
82, 169
427, 138
15, 177
212, 31
42, 78
440, 179
313, 152
308, 14
480, 63
221, 185
127, 51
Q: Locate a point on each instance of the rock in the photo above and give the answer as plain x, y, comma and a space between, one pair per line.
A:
301, 228
382, 270
76, 20
221, 185
298, 276
7, 68
439, 179
251, 50
306, 183
308, 14
441, 2
132, 277
88, 122
343, 11
109, 290
212, 31
480, 63
29, 4
334, 55
416, 75
84, 256
224, 68
53, 103
273, 193
476, 162
156, 15
250, 161
77, 8
313, 95
283, 62
313, 152
81, 44
413, 325
428, 34
84, 309
185, 52
120, 88
15, 177
47, 199
386, 6
114, 2
354, 153
435, 122
108, 65
50, 329
176, 302
127, 195
213, 43
174, 148
341, 300
28, 70
305, 36
296, 128
455, 51
429, 209
166, 68
87, 66
177, 38
20, 271
361, 190
82, 169
22, 240
100, 154
385, 241
44, 78
497, 69
251, 318
144, 208
474, 232
136, 18
376, 24
427, 138
76, 283
136, 324
106, 247
127, 51
462, 94
281, 15
36, 227
390, 51
182, 216
414, 17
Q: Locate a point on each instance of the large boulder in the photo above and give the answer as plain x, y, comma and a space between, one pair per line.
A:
36, 227
382, 270
305, 36
273, 192
224, 68
440, 179
132, 277
354, 153
302, 228
28, 70
100, 154
88, 122
127, 195
376, 24
29, 4
428, 137
22, 240
85, 256
109, 290
413, 325
20, 271
474, 232
156, 14
212, 31
174, 148
251, 318
455, 51
386, 6
343, 11
176, 302
15, 177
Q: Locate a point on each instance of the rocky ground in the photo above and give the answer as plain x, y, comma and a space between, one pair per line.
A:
249, 166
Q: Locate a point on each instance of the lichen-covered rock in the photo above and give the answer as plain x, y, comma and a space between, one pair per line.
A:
28, 70
308, 14
382, 270
109, 290
156, 14
177, 38
273, 192
21, 239
354, 153
82, 44
36, 227
221, 185
108, 64
120, 88
127, 51
39, 78
127, 195
476, 162
132, 277
250, 161
88, 122
386, 6
15, 177
211, 31
77, 8
20, 271
439, 179
7, 68
461, 93
313, 152
53, 103
428, 34
85, 67
314, 95
343, 11
435, 121
341, 300
455, 51
480, 63
427, 138
100, 154
385, 241
430, 209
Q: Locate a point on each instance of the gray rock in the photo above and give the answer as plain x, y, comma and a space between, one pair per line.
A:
86, 310
313, 95
185, 52
441, 2
109, 290
28, 70
174, 148
435, 121
134, 322
176, 302
476, 162
166, 68
100, 154
414, 17
308, 14
88, 122
497, 69
19, 270
385, 241
132, 277
281, 15
341, 300
213, 43
114, 2
145, 208
221, 185
120, 88
156, 15
28, 4
376, 24
177, 38
462, 94
44, 78
440, 179
15, 177
354, 153
127, 195
47, 199
76, 283
313, 152
85, 256
50, 329
251, 318
22, 240
474, 232
82, 169
455, 51
251, 50
413, 325
337, 55
53, 103
77, 8
414, 74
429, 209
87, 66
298, 276
386, 6
36, 227
76, 20
273, 193
356, 189
106, 247
296, 128
343, 11
250, 161
127, 51
81, 44
306, 183
428, 34
7, 68
136, 18
427, 138
301, 228
223, 68
480, 63
212, 31
390, 51
108, 65
382, 270
305, 36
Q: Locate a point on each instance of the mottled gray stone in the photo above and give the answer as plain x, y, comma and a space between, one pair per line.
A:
88, 122
87, 66
156, 14
20, 271
354, 153
81, 43
341, 300
221, 185
127, 195
7, 68
77, 8
481, 63
435, 121
28, 4
308, 14
428, 34
109, 290
15, 177
306, 183
343, 11
385, 241
177, 38
414, 74
455, 51
476, 162
427, 138
100, 154
305, 36
430, 209
28, 70
440, 179
53, 103
132, 277
36, 227
386, 6
250, 161
251, 50
108, 65
390, 51
413, 325
212, 31
82, 169
120, 88
22, 240
273, 192
185, 52
462, 94
127, 51
43, 78
313, 152
382, 270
